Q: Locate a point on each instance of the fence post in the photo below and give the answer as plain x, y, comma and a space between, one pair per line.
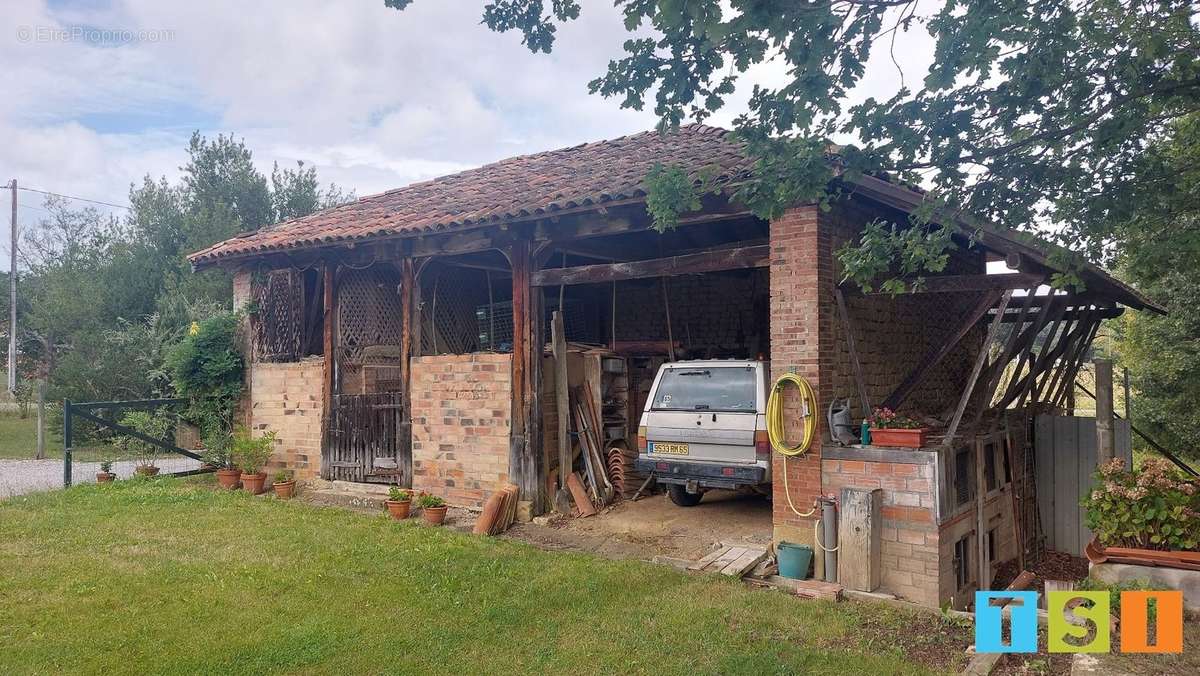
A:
1105, 442
67, 443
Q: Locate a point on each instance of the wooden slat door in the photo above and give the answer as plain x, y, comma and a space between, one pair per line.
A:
368, 439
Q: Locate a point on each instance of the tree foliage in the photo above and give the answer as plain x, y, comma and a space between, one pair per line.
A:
102, 300
1030, 114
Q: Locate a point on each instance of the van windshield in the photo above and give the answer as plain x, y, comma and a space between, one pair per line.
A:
708, 388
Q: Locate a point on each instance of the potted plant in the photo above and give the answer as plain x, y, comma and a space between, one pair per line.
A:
284, 485
218, 453
154, 424
398, 503
250, 454
105, 475
433, 509
1144, 516
889, 428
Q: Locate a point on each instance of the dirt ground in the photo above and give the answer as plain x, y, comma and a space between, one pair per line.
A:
654, 526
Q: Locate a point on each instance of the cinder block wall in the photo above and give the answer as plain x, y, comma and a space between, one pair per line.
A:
287, 399
461, 408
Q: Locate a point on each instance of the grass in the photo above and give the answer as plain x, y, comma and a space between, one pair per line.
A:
167, 576
18, 437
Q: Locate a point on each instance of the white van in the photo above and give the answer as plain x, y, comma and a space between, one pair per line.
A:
704, 426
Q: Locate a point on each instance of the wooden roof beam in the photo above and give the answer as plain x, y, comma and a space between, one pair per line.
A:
709, 261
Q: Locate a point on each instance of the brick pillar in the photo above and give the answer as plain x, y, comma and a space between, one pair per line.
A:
800, 269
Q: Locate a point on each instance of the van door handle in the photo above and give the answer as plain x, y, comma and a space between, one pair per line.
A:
714, 417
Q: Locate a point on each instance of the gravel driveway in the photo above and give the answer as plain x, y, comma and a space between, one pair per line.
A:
26, 476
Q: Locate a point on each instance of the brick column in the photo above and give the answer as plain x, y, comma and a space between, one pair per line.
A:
801, 268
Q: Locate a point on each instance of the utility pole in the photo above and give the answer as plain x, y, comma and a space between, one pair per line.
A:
12, 298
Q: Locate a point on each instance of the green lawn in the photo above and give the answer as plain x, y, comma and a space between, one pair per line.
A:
18, 438
168, 576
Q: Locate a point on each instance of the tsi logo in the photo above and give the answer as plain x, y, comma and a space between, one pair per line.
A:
1078, 622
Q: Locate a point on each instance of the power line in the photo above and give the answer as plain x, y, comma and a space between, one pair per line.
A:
72, 197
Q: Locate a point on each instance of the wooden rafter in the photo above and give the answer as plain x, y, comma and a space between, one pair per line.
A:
968, 283
848, 327
980, 360
939, 352
709, 261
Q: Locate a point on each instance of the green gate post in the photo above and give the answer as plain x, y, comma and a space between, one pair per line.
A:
67, 443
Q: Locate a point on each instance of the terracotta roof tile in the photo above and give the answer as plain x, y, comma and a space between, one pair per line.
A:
508, 190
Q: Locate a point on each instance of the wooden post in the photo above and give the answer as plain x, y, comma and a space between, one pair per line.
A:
525, 454
985, 581
1105, 441
407, 282
562, 407
329, 271
860, 528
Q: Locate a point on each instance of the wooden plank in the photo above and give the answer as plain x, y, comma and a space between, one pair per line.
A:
1043, 445
709, 261
561, 397
748, 560
1066, 483
708, 558
731, 554
939, 352
328, 344
582, 502
860, 531
983, 566
848, 327
980, 360
968, 283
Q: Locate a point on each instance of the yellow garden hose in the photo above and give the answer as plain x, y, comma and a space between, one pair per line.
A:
776, 432
775, 427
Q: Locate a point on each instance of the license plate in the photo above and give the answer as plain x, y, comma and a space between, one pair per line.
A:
669, 449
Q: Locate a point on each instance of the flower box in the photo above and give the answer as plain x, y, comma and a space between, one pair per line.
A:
900, 437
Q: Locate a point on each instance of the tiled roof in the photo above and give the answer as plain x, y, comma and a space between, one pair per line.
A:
508, 190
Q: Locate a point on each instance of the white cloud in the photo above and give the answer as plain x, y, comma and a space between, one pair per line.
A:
374, 98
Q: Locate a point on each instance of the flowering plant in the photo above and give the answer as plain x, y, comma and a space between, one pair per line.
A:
886, 418
1153, 507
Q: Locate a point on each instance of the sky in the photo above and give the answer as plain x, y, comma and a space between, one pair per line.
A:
95, 94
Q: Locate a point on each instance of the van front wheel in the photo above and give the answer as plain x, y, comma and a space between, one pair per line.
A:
681, 497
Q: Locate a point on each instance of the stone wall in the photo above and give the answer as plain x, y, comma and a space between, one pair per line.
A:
461, 419
287, 399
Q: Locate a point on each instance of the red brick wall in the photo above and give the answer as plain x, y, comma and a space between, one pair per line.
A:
287, 399
800, 270
910, 555
461, 418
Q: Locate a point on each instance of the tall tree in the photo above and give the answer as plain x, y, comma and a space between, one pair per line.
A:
1029, 112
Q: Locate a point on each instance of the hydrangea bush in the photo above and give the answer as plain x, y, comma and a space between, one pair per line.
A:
1153, 507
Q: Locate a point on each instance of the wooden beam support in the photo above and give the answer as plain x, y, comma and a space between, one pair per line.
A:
329, 340
993, 329
969, 283
848, 327
525, 455
939, 352
710, 261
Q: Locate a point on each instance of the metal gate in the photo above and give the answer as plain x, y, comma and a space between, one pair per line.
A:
1065, 449
368, 439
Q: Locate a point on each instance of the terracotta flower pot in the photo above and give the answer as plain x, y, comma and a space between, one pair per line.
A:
254, 483
105, 477
147, 470
284, 489
398, 508
899, 437
228, 478
434, 516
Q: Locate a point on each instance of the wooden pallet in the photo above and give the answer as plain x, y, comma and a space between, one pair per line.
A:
733, 561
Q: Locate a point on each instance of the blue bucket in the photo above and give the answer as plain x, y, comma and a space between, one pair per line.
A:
794, 560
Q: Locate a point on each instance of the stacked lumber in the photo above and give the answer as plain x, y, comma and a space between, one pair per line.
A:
499, 511
587, 429
733, 561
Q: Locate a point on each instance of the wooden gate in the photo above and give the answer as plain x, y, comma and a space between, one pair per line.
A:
368, 439
1065, 450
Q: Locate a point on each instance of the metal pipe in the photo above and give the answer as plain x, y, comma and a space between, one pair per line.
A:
828, 534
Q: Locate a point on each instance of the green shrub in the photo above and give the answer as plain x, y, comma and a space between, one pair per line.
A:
1114, 593
1152, 507
397, 494
427, 501
207, 369
282, 477
155, 424
251, 453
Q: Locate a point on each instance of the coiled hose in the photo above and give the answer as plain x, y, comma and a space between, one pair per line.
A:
776, 432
